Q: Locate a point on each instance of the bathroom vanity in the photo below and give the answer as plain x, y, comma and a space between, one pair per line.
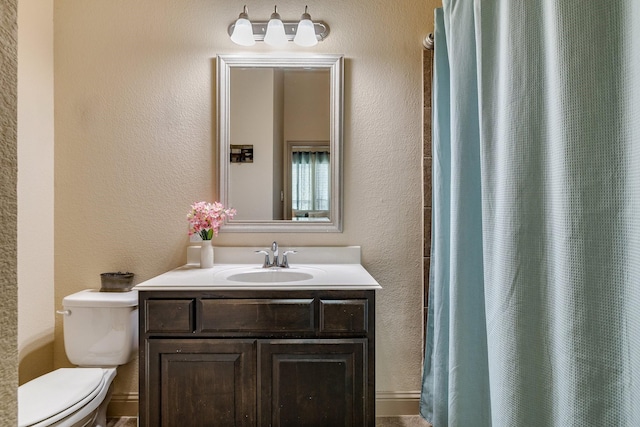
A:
238, 345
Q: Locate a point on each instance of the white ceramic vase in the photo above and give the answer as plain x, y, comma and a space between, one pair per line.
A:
206, 254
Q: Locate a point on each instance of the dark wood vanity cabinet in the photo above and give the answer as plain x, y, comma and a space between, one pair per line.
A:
195, 381
257, 358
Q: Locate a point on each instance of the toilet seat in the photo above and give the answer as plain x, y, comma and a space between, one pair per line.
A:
61, 394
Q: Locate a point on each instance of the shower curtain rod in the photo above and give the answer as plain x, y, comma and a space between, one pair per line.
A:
428, 42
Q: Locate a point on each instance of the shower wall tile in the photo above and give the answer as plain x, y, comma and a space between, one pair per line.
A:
427, 232
427, 63
427, 131
427, 181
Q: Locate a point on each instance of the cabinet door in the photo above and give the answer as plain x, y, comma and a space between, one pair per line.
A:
201, 382
312, 383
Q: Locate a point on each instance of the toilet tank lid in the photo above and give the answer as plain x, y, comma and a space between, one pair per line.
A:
95, 298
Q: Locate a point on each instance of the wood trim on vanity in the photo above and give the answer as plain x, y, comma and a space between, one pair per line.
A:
388, 404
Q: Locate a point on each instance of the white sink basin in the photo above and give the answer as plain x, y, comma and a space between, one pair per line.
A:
270, 276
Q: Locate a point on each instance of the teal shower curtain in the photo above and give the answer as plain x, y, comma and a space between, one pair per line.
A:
534, 299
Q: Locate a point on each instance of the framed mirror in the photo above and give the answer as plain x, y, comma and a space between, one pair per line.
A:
279, 148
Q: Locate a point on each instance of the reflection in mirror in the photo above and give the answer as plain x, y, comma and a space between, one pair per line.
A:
280, 130
308, 177
271, 108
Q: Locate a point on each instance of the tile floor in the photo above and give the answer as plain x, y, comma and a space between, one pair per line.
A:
403, 421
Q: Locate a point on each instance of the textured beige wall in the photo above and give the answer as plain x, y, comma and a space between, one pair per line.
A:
35, 188
8, 213
135, 134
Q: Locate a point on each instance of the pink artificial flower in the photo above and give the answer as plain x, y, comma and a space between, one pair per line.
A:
206, 218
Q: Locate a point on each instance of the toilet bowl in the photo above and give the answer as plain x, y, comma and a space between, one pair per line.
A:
100, 333
65, 397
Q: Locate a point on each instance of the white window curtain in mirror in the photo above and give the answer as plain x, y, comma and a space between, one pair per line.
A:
534, 299
310, 180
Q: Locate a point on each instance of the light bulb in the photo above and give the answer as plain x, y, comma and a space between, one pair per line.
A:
243, 31
306, 32
275, 35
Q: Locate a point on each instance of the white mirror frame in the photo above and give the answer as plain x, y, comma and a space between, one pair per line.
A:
335, 65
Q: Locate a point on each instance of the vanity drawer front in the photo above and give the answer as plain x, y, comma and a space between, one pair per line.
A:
169, 315
344, 316
256, 315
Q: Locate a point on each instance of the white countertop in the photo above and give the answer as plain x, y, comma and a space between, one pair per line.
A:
240, 268
324, 276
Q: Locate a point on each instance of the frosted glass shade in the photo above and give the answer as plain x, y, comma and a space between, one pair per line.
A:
275, 35
305, 34
243, 33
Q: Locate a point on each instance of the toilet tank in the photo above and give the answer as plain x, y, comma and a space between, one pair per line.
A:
101, 328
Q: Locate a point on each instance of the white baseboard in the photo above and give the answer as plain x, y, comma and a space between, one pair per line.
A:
396, 403
123, 405
388, 404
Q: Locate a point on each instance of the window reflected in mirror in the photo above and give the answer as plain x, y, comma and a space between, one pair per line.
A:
310, 181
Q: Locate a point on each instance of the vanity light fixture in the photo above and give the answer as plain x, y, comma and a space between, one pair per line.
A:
275, 35
242, 30
306, 33
276, 32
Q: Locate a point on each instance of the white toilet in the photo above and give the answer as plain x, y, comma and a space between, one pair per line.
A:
100, 333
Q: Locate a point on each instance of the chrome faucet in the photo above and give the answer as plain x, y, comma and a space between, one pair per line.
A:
274, 262
266, 263
274, 249
285, 261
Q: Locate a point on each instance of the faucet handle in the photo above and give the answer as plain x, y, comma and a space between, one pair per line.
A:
266, 258
285, 261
